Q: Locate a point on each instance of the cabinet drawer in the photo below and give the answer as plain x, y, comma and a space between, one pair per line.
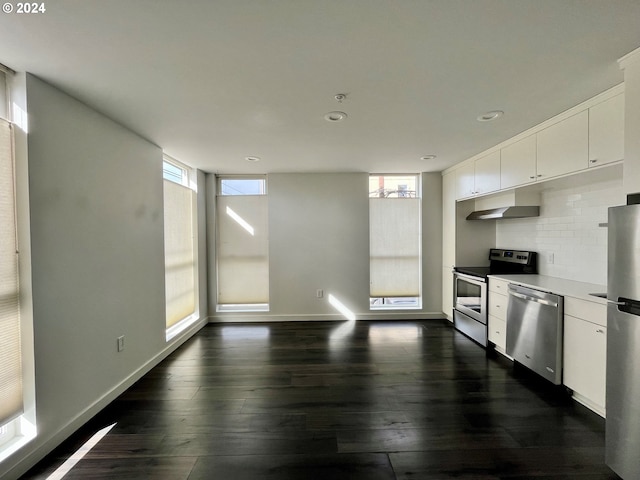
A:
498, 286
590, 311
498, 305
498, 332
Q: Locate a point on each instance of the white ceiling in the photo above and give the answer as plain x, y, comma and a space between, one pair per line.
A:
214, 81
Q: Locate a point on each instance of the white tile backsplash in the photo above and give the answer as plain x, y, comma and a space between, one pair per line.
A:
568, 227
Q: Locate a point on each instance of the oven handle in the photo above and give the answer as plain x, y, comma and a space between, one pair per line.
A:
533, 299
470, 278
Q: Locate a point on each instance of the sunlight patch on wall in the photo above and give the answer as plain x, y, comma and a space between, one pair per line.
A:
240, 221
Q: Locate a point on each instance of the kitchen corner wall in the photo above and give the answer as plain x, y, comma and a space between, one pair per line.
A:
568, 229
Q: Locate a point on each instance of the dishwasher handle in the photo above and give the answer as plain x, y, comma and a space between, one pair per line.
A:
533, 299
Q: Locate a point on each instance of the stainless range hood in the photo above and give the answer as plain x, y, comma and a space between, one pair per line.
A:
505, 212
519, 203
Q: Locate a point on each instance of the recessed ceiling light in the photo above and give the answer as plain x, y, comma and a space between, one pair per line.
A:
335, 116
252, 159
428, 157
492, 115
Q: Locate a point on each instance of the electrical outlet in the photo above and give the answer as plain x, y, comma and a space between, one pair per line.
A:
121, 343
550, 258
319, 293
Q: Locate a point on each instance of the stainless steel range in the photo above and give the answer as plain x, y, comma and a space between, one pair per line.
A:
470, 307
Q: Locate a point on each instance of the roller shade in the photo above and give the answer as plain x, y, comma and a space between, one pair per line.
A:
394, 242
11, 400
242, 249
180, 267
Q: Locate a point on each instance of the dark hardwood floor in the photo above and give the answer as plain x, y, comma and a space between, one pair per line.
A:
338, 400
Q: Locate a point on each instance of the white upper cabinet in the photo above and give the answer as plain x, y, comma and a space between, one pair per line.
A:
478, 177
588, 135
487, 173
606, 131
465, 181
518, 163
563, 147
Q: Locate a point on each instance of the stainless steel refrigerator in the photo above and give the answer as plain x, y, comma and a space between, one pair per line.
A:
623, 342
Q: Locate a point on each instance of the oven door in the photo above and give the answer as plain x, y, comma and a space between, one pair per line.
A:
470, 296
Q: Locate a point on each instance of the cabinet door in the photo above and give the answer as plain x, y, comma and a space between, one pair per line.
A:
564, 147
606, 131
518, 163
585, 359
465, 181
487, 173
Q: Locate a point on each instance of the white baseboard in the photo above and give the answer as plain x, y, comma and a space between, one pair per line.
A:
42, 447
262, 317
589, 404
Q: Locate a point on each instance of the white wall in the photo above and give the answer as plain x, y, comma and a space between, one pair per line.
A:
212, 279
568, 227
97, 263
319, 239
203, 261
432, 242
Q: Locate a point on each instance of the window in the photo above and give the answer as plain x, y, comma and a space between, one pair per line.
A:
175, 173
17, 396
242, 247
242, 186
11, 402
181, 268
394, 242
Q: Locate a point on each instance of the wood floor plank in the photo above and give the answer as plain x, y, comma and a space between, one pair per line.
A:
384, 400
295, 467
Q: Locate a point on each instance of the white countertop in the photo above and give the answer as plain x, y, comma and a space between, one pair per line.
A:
559, 286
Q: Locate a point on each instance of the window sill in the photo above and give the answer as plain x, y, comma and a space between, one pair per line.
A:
174, 330
11, 446
258, 307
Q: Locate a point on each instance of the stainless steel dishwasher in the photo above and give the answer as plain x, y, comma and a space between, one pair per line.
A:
534, 331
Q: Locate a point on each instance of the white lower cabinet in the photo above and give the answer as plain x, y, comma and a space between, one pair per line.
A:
585, 352
498, 313
498, 333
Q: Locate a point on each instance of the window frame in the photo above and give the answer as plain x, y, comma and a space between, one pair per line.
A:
188, 180
221, 178
16, 433
237, 307
400, 302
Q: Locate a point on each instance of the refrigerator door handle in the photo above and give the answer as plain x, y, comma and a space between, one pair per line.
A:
626, 305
